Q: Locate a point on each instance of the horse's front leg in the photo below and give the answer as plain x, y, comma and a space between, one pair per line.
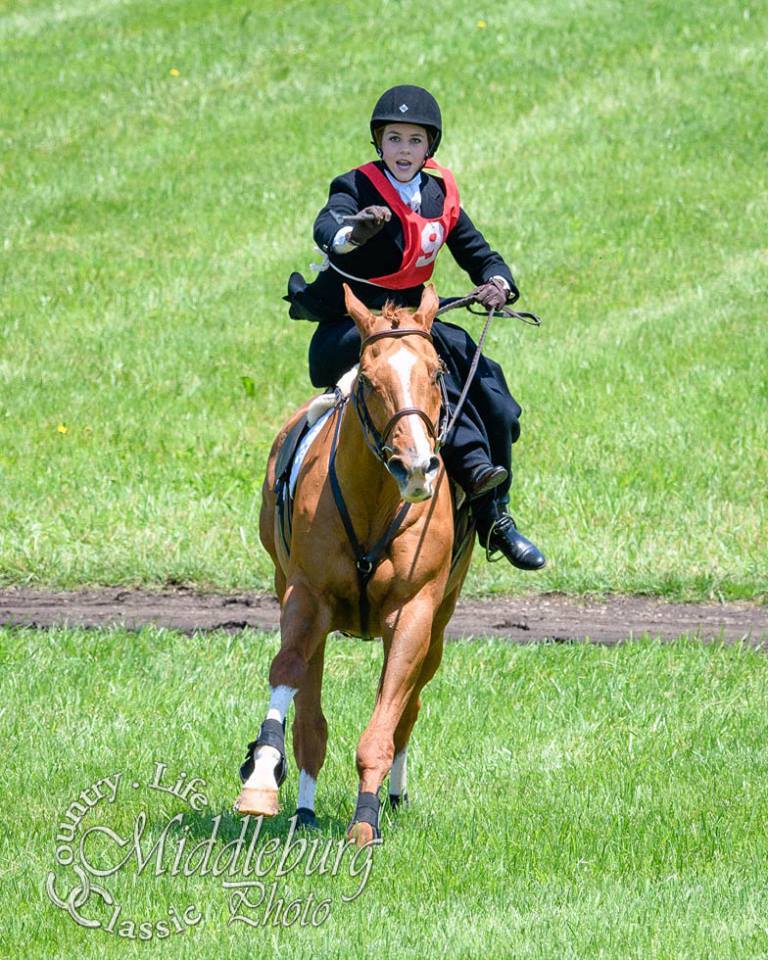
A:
304, 623
398, 777
407, 638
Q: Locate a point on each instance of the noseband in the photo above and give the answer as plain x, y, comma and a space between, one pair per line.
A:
377, 442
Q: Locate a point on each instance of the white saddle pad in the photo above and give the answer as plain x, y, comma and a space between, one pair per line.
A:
304, 445
319, 410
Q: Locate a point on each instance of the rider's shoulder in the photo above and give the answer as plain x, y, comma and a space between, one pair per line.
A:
437, 176
354, 181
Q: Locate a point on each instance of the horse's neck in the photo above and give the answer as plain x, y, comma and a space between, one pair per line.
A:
370, 493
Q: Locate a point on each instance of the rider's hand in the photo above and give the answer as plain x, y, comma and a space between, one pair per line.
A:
492, 295
368, 223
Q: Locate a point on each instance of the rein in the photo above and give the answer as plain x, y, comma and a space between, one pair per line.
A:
367, 561
529, 318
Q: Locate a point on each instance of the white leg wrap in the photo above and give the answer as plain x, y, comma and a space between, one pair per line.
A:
280, 700
398, 773
307, 787
266, 758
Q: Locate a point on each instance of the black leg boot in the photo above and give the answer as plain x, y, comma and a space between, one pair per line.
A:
498, 533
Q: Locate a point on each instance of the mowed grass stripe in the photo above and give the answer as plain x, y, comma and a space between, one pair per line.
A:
615, 154
566, 800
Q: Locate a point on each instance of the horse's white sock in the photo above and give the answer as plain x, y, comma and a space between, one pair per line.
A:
307, 787
398, 773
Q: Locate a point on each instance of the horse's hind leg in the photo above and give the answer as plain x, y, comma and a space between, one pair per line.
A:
310, 736
399, 773
304, 623
398, 776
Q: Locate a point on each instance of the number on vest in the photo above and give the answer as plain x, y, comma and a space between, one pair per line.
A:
431, 240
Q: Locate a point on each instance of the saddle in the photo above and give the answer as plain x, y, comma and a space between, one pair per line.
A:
286, 457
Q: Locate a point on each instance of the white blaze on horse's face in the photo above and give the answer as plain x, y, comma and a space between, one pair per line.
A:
415, 467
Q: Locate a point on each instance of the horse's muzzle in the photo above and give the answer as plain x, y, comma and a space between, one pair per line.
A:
415, 480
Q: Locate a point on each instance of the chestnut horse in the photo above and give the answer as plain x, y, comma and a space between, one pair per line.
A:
407, 598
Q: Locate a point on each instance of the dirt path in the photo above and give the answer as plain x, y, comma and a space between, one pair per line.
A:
529, 619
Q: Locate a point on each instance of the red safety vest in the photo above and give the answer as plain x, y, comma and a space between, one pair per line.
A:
423, 238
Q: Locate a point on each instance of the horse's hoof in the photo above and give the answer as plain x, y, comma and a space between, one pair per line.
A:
360, 834
398, 799
257, 802
306, 818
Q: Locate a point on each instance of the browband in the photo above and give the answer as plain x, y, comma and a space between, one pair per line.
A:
404, 332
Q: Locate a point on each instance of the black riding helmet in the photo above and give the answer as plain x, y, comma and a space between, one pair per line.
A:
407, 104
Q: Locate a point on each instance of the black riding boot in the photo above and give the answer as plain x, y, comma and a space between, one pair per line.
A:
498, 534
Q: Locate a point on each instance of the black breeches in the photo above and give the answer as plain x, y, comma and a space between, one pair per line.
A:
490, 419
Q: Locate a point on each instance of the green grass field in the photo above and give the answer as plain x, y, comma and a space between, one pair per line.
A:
567, 801
161, 168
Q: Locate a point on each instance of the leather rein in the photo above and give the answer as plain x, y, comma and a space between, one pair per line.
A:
367, 561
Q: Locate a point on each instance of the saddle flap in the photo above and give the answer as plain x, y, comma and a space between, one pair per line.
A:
288, 448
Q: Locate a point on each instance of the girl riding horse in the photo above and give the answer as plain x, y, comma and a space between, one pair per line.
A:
399, 211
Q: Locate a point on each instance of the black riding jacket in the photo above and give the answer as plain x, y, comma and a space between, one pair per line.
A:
323, 299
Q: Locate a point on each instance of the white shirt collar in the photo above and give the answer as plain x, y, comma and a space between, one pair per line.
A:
410, 191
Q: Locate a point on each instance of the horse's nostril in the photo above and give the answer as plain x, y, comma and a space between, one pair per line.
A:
397, 468
434, 465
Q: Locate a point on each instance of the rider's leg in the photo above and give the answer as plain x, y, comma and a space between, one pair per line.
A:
467, 453
333, 349
491, 404
499, 411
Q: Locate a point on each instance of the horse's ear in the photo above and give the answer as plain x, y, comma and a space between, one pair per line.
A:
358, 311
430, 304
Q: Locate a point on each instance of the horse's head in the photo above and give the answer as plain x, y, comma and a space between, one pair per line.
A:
397, 393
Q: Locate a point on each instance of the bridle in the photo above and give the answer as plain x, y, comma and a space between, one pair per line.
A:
367, 560
376, 440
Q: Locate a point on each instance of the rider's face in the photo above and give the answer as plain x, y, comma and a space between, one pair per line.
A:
404, 148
